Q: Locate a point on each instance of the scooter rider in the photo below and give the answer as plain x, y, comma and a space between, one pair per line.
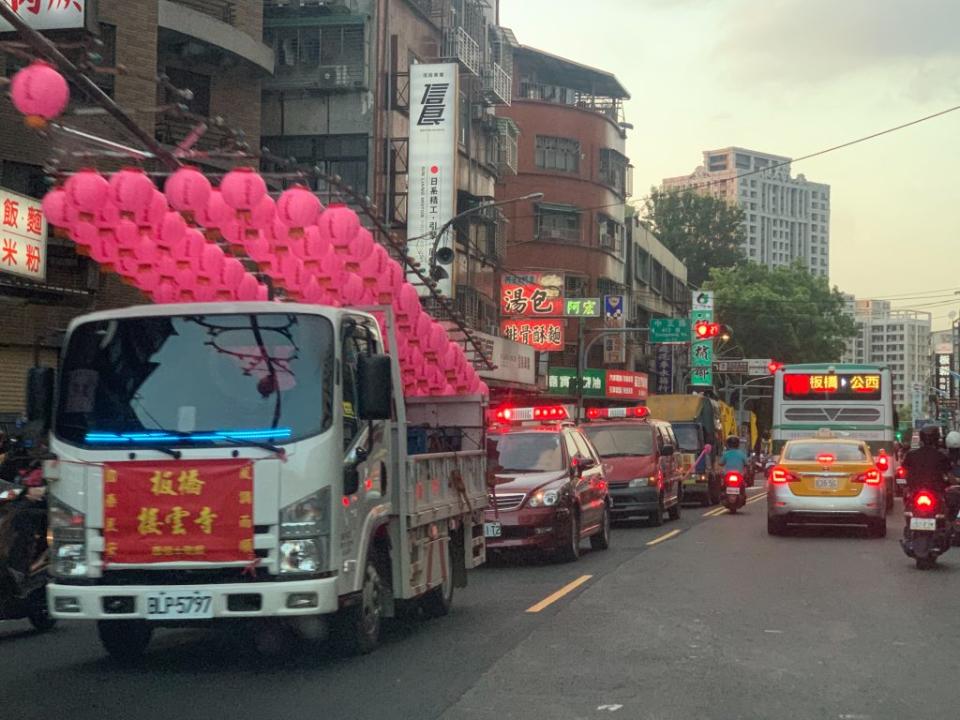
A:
734, 459
928, 467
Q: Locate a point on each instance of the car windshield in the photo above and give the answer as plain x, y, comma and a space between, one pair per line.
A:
525, 452
621, 441
687, 437
809, 452
196, 378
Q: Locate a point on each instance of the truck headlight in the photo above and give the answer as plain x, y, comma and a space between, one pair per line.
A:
306, 518
544, 498
66, 536
303, 556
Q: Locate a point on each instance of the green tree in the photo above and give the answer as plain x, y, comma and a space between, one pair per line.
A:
785, 313
701, 230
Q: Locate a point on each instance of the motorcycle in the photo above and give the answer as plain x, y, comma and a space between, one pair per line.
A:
23, 521
929, 526
734, 491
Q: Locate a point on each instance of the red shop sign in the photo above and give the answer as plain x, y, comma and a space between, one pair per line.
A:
540, 334
627, 385
176, 511
529, 300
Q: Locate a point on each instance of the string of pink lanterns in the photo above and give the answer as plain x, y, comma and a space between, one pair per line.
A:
164, 244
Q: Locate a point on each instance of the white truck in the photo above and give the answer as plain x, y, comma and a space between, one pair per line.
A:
249, 461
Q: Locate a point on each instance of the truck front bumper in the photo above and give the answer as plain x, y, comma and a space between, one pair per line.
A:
262, 599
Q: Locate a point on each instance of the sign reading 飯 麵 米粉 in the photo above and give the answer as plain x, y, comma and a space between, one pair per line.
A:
23, 236
48, 14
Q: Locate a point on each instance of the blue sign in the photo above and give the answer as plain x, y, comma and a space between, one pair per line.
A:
664, 370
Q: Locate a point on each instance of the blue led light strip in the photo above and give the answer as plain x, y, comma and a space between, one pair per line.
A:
163, 437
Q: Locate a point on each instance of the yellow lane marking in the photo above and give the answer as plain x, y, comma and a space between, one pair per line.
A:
565, 590
714, 512
657, 541
758, 498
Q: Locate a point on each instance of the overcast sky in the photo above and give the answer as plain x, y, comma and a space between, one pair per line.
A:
791, 77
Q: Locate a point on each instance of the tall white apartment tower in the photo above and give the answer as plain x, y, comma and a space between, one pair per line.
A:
786, 219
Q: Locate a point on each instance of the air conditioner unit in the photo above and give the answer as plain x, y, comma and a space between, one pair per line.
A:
333, 76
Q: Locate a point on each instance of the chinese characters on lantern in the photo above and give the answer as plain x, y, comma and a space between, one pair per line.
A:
156, 512
23, 236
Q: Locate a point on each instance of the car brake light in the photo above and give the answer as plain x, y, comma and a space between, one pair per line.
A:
870, 477
883, 462
733, 478
826, 458
780, 474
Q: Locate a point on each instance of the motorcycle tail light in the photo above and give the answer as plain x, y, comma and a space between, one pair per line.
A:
734, 479
925, 501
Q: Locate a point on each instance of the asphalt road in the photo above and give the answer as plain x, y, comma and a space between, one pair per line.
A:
715, 621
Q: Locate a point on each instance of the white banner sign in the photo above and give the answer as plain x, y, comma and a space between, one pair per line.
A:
515, 362
48, 14
432, 179
23, 236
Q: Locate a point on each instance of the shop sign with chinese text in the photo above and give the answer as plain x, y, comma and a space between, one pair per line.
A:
23, 236
514, 362
178, 511
563, 381
48, 14
432, 166
529, 300
545, 335
582, 307
614, 318
627, 385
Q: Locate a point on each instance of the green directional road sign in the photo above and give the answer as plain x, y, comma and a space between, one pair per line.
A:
701, 376
582, 307
701, 351
701, 354
563, 381
670, 330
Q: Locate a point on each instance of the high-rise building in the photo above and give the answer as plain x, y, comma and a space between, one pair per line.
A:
786, 219
899, 339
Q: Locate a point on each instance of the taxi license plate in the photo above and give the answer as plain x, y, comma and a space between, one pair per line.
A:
733, 491
186, 605
492, 529
924, 524
826, 483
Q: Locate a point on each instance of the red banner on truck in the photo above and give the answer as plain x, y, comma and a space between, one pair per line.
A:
178, 511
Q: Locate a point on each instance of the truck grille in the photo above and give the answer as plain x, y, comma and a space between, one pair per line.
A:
506, 501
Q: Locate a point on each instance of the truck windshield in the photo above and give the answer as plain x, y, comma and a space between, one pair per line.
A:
687, 436
525, 452
621, 441
179, 380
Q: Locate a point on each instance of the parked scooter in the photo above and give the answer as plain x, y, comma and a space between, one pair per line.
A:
734, 491
929, 525
24, 557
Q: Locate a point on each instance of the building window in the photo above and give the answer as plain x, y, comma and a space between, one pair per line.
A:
613, 170
641, 266
326, 45
343, 155
743, 161
556, 153
610, 234
197, 83
558, 223
717, 163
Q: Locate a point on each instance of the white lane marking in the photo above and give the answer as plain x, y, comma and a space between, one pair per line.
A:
611, 708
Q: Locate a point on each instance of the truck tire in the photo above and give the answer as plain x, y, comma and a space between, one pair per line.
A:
436, 602
356, 629
656, 517
124, 640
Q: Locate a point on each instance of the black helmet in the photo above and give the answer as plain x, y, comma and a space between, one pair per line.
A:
733, 442
930, 435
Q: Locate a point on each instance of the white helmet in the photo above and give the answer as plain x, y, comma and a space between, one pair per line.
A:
953, 439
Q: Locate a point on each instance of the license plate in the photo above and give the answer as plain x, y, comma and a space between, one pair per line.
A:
733, 491
901, 481
826, 483
194, 605
492, 529
923, 524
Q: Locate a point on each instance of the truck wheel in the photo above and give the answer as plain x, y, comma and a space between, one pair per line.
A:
436, 603
356, 629
714, 491
39, 614
124, 639
656, 517
601, 540
674, 511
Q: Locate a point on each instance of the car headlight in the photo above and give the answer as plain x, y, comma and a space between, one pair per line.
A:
544, 498
306, 518
303, 556
644, 481
66, 537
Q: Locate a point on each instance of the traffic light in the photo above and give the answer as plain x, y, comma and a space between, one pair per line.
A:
706, 330
773, 366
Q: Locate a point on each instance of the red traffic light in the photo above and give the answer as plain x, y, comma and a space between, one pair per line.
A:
705, 330
773, 366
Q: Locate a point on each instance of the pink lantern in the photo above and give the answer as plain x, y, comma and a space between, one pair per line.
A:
247, 289
243, 189
85, 235
360, 247
55, 207
132, 190
298, 208
340, 224
40, 93
263, 214
87, 192
127, 234
215, 212
188, 190
153, 213
352, 290
172, 228
108, 217
483, 389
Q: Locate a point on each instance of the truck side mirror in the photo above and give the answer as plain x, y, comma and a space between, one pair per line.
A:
374, 385
668, 450
40, 396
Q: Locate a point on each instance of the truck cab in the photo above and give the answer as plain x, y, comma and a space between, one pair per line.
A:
242, 461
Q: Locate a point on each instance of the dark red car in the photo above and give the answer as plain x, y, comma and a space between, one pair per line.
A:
550, 490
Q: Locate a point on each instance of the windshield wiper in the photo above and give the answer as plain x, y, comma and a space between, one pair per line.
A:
270, 447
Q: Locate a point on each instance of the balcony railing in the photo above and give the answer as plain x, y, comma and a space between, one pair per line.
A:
400, 92
508, 147
223, 10
497, 85
332, 78
459, 46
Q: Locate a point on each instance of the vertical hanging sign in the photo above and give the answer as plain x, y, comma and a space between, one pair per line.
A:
432, 162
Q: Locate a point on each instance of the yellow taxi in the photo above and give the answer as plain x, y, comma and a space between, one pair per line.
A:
826, 480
